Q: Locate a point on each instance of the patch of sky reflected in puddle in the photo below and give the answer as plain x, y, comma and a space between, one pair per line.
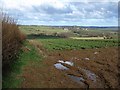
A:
60, 66
76, 79
90, 75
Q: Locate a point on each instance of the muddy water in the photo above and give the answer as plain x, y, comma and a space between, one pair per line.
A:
60, 66
66, 62
90, 75
77, 79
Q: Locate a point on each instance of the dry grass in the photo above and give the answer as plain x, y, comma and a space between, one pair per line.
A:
12, 39
88, 38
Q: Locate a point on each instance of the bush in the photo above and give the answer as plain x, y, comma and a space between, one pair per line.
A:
12, 40
65, 35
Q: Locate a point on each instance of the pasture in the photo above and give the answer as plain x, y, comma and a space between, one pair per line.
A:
40, 29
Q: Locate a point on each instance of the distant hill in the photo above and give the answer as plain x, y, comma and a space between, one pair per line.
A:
98, 27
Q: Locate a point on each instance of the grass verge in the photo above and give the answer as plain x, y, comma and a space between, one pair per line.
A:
13, 78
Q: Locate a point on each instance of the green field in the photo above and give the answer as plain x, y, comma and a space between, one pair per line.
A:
41, 29
74, 32
73, 41
68, 44
96, 32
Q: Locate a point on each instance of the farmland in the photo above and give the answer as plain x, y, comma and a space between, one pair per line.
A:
69, 44
60, 44
52, 50
55, 44
45, 35
40, 29
70, 31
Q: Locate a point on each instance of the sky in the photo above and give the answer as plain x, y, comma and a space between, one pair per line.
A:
62, 12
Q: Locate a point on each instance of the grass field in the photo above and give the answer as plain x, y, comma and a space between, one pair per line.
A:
41, 29
69, 44
56, 43
49, 30
97, 32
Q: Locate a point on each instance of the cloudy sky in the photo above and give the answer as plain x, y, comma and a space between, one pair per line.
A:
63, 12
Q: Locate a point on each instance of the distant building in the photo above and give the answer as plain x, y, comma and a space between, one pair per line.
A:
65, 28
85, 29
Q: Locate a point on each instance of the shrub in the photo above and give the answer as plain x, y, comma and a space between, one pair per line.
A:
12, 40
65, 35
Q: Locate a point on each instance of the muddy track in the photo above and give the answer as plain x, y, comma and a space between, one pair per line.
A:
103, 64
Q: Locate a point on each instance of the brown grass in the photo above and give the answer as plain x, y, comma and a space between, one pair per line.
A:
12, 39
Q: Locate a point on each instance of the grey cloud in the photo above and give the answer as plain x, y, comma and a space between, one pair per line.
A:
51, 10
88, 9
49, 13
48, 9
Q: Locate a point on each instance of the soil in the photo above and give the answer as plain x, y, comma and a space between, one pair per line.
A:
103, 62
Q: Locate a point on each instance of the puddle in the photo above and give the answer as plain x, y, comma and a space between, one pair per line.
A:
66, 62
60, 66
77, 79
90, 75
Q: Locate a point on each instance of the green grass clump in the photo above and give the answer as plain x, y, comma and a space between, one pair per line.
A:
69, 44
12, 79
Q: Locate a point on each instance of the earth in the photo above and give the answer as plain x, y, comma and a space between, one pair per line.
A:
85, 68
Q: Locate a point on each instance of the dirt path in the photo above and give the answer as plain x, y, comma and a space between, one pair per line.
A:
102, 62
